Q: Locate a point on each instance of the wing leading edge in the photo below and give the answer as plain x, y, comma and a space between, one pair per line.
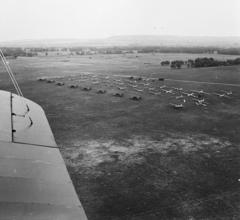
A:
34, 181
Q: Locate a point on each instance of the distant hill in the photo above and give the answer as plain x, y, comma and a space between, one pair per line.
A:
174, 40
129, 40
45, 42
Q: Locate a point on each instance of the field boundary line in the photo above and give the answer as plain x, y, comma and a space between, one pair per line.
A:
211, 83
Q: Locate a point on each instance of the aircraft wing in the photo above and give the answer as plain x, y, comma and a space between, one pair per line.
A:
34, 181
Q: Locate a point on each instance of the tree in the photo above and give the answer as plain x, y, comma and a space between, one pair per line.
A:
178, 65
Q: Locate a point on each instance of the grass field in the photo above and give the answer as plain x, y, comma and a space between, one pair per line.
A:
138, 160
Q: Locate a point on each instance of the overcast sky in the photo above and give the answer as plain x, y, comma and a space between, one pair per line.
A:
37, 19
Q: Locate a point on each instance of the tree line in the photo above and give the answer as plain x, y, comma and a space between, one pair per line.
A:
201, 62
210, 62
31, 51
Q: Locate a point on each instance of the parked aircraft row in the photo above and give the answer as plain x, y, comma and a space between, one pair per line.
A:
135, 84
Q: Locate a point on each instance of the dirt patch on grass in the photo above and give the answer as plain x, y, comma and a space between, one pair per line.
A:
92, 153
173, 177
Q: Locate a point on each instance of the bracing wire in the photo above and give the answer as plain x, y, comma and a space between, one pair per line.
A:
16, 86
10, 73
13, 80
5, 64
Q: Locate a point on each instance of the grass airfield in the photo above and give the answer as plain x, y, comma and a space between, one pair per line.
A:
141, 159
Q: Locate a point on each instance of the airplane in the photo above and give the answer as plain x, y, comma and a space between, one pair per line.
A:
118, 80
200, 101
50, 81
139, 90
168, 91
100, 91
190, 94
161, 87
60, 83
221, 95
35, 183
201, 91
106, 77
133, 86
95, 82
94, 76
106, 81
179, 97
42, 79
150, 89
70, 79
86, 88
145, 84
121, 88
178, 89
109, 85
177, 106
120, 84
118, 94
135, 97
228, 93
73, 86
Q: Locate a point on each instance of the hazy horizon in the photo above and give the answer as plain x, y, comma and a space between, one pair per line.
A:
91, 38
99, 19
